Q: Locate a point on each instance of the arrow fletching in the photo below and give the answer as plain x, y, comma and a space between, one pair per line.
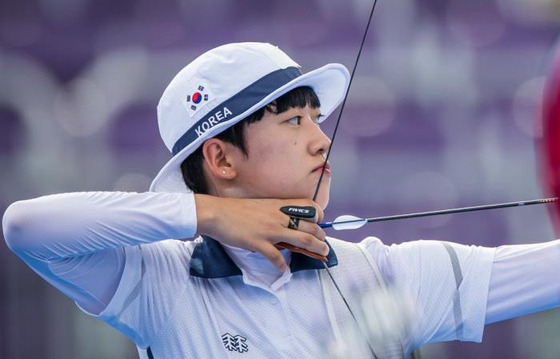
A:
345, 222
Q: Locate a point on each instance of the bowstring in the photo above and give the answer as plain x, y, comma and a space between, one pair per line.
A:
344, 100
338, 120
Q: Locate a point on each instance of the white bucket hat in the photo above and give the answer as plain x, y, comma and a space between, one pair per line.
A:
225, 85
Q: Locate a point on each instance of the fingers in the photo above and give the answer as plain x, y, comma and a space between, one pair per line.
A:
305, 236
273, 255
312, 228
306, 241
261, 225
318, 212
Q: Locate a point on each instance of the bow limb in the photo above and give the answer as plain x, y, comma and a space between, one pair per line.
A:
550, 150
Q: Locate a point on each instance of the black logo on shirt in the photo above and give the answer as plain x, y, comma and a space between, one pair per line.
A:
235, 343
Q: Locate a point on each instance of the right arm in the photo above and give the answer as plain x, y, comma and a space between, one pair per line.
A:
76, 240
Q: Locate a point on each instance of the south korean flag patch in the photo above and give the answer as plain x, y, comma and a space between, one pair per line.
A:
197, 98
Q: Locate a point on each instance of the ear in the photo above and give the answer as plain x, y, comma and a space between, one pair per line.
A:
219, 158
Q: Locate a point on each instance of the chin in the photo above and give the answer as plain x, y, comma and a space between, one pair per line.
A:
323, 199
323, 195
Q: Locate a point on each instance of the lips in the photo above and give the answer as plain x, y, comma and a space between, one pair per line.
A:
320, 168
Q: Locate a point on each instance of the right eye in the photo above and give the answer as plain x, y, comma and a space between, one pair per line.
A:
295, 120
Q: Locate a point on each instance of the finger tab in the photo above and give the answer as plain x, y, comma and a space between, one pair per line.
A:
299, 211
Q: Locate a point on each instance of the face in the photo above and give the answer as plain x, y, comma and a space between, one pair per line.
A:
285, 157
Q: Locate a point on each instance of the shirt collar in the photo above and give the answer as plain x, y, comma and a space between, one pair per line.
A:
210, 260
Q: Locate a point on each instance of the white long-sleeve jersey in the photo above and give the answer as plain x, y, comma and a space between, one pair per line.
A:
111, 253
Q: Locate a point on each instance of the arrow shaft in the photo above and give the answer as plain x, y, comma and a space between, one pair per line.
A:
445, 211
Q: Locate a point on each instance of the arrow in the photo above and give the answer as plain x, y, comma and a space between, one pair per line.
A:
346, 222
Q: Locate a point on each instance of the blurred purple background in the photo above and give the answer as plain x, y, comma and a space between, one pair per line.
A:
442, 113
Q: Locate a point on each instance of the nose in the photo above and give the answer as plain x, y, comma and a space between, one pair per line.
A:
320, 142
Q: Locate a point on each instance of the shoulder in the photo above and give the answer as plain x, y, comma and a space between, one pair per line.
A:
372, 247
363, 259
407, 259
369, 242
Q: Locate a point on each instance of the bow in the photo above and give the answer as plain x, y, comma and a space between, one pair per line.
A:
550, 148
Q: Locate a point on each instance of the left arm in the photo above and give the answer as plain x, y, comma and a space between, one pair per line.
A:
524, 280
